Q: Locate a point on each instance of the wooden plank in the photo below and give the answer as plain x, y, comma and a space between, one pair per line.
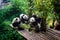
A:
50, 34
32, 35
25, 34
39, 36
54, 33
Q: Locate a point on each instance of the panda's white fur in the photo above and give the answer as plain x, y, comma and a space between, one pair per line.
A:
35, 24
39, 24
32, 19
14, 20
25, 17
21, 15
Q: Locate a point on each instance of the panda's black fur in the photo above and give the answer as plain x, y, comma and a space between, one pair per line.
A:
32, 24
41, 22
17, 24
35, 24
24, 20
38, 20
17, 21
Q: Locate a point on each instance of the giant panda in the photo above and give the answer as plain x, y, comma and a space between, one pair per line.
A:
16, 23
36, 18
24, 18
35, 22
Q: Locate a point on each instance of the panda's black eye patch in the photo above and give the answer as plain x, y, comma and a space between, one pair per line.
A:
23, 15
16, 19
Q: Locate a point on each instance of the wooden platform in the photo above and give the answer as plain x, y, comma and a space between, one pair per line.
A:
50, 34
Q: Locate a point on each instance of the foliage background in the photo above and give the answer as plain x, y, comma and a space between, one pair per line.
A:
49, 9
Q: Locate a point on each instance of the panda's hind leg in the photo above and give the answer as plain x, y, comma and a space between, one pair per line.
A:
37, 30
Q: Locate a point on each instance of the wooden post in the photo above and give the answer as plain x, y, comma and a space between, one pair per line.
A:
43, 24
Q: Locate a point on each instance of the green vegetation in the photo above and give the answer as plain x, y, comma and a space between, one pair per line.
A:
48, 9
6, 16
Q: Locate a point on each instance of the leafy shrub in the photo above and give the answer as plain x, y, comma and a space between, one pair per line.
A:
6, 16
7, 33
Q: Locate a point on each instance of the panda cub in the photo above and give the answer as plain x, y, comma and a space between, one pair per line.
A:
35, 22
16, 23
24, 18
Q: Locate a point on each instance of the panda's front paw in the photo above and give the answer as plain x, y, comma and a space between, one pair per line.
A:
37, 31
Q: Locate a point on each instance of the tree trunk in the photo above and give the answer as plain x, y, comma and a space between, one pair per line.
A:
43, 24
